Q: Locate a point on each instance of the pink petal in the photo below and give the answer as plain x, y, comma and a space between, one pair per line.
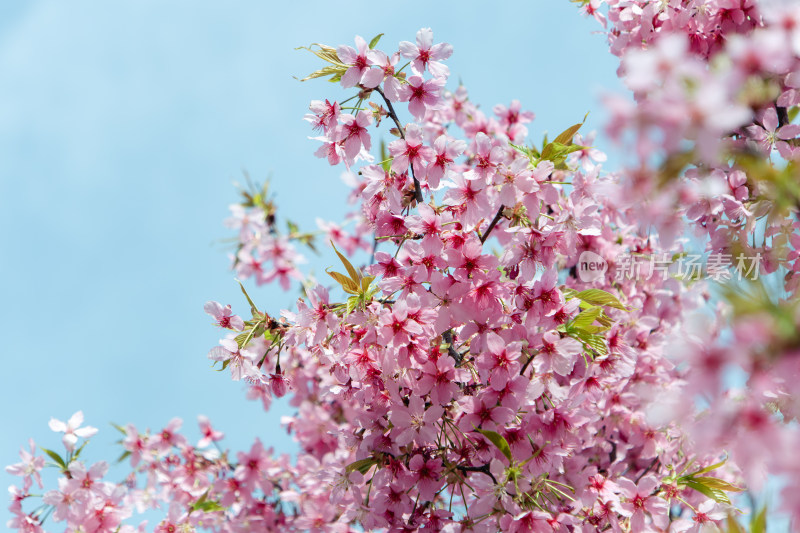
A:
57, 425
372, 78
425, 38
770, 119
790, 131
408, 50
347, 54
75, 420
351, 77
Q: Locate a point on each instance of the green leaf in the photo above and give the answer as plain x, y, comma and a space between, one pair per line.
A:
600, 297
565, 137
240, 340
568, 292
386, 160
556, 151
365, 283
362, 465
759, 522
530, 153
352, 303
124, 456
733, 525
253, 307
80, 449
585, 318
355, 275
55, 457
596, 329
714, 494
707, 469
207, 506
498, 440
330, 70
347, 284
716, 483
374, 42
225, 364
119, 428
324, 52
597, 342
673, 166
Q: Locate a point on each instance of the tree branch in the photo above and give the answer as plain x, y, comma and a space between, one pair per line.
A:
417, 186
492, 224
483, 468
448, 338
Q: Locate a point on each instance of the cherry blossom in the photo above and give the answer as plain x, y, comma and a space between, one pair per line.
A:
72, 430
466, 377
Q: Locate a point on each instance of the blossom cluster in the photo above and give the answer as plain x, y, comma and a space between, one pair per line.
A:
461, 388
715, 87
467, 377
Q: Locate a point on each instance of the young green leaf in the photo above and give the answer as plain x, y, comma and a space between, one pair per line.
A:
716, 483
347, 284
597, 342
733, 525
565, 137
498, 440
362, 465
124, 456
585, 318
55, 457
207, 506
759, 522
712, 493
374, 42
324, 52
79, 450
708, 468
330, 70
253, 307
600, 297
355, 275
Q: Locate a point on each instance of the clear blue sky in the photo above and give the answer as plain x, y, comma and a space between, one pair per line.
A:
122, 128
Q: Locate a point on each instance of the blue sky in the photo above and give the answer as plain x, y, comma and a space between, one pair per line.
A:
122, 128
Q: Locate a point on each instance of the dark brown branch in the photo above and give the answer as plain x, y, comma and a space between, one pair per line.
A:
528, 362
483, 468
417, 186
492, 224
448, 338
783, 115
646, 470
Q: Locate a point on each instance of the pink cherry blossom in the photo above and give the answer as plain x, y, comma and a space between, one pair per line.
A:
359, 71
72, 430
223, 316
425, 54
421, 94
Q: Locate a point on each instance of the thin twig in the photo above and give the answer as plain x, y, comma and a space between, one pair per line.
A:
492, 224
393, 115
528, 362
448, 338
483, 468
646, 470
374, 248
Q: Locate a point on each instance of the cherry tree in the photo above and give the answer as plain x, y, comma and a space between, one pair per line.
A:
525, 343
